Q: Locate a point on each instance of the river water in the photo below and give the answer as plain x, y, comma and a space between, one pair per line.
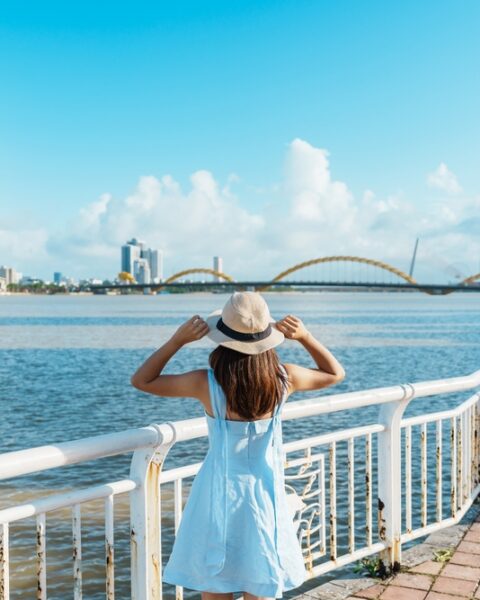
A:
65, 365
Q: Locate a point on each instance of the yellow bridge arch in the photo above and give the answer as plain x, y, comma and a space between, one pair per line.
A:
185, 272
340, 258
471, 279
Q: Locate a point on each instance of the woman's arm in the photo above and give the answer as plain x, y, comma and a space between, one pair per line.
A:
148, 376
329, 371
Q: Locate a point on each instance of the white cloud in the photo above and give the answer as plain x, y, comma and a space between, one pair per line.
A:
190, 226
315, 196
307, 215
23, 245
90, 216
443, 179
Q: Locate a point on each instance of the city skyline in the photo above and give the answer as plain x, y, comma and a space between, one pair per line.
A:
335, 130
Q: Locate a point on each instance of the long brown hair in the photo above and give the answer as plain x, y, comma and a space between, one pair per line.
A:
253, 383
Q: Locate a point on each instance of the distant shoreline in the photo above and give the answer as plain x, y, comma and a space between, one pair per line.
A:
207, 293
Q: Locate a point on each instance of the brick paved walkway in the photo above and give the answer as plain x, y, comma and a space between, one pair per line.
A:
456, 579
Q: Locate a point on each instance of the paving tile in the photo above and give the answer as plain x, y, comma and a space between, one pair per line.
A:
462, 572
429, 567
472, 536
412, 580
352, 586
399, 593
446, 585
477, 593
373, 591
327, 591
463, 558
475, 526
471, 547
440, 596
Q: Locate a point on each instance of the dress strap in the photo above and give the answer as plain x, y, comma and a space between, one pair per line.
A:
279, 405
217, 397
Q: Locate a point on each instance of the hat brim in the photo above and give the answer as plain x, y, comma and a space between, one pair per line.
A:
275, 338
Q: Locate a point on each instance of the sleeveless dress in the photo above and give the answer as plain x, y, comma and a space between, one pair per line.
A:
237, 533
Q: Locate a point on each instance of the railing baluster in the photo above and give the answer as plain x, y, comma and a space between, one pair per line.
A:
77, 551
460, 442
333, 501
465, 455
368, 488
408, 478
109, 548
453, 466
322, 506
41, 558
351, 495
423, 459
4, 562
476, 424
438, 469
178, 502
471, 450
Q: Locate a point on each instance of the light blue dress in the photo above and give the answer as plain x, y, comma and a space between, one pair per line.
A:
236, 533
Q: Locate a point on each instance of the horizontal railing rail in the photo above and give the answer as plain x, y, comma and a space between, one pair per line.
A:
381, 501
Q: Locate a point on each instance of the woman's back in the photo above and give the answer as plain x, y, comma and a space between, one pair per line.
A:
237, 520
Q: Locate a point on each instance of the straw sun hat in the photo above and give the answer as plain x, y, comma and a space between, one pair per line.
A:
244, 324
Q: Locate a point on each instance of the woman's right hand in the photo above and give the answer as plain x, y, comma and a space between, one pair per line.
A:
292, 328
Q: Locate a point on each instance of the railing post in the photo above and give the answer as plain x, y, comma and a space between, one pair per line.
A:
390, 479
145, 516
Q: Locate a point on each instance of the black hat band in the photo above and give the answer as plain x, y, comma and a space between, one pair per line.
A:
243, 337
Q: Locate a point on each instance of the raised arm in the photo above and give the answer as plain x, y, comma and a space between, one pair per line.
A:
328, 372
192, 384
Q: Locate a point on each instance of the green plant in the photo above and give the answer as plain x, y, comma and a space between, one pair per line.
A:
443, 555
372, 567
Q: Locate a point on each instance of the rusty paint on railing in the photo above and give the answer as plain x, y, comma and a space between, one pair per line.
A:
41, 558
333, 501
4, 562
109, 548
77, 551
368, 489
438, 470
423, 473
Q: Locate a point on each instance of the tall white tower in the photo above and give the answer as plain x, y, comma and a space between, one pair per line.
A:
155, 260
217, 266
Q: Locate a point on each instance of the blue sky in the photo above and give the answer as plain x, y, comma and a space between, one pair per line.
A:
96, 96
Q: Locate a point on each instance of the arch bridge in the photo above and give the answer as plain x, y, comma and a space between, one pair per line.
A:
260, 286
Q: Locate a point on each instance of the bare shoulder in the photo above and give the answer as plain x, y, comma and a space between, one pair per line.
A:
304, 378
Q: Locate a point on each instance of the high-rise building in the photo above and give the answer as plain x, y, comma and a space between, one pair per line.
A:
141, 270
130, 253
9, 274
57, 278
134, 250
217, 266
155, 261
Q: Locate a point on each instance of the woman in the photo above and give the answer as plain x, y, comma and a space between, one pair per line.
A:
236, 533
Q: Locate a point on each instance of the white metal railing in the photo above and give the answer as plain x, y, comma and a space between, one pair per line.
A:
361, 462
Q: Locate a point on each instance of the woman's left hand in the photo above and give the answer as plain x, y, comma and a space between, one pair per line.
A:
190, 331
